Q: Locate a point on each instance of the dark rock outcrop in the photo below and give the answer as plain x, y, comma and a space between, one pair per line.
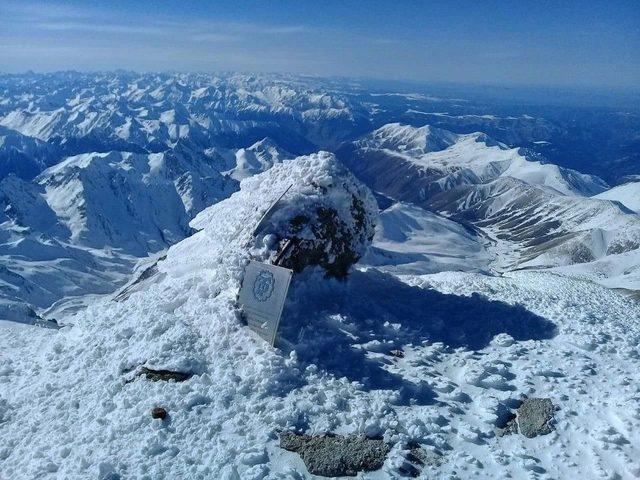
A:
159, 413
335, 455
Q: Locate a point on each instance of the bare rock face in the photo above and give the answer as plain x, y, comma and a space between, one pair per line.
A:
335, 455
164, 375
323, 238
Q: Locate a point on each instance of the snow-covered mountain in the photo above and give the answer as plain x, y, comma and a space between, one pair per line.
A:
257, 158
72, 113
82, 224
114, 165
538, 214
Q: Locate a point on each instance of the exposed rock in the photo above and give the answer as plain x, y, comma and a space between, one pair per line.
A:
165, 375
535, 416
398, 353
509, 426
335, 455
419, 455
532, 418
327, 219
159, 412
417, 458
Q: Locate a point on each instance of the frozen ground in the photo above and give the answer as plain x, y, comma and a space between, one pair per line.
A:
71, 405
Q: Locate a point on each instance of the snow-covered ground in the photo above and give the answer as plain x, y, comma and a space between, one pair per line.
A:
71, 405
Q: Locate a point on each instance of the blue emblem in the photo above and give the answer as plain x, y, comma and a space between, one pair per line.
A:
263, 286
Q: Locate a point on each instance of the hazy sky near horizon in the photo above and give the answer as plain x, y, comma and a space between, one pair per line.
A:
568, 43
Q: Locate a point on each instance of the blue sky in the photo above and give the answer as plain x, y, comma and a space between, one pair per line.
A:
585, 43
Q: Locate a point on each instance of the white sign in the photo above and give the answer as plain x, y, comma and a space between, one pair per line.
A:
262, 295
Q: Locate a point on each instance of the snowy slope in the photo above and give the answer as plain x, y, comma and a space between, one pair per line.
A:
537, 215
85, 222
410, 239
627, 194
473, 345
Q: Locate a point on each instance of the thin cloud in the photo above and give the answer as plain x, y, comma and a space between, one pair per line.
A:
66, 26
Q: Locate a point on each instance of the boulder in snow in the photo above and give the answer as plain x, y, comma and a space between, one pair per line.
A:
326, 218
159, 413
335, 455
533, 417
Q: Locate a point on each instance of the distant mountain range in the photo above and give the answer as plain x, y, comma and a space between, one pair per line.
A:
100, 171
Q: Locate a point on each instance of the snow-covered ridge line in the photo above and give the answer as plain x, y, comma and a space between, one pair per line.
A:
539, 215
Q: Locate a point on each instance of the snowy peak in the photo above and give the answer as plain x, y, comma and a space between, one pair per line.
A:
408, 139
259, 157
472, 158
133, 201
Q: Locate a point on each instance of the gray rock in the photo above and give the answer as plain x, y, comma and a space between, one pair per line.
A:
418, 458
419, 455
532, 418
335, 455
535, 417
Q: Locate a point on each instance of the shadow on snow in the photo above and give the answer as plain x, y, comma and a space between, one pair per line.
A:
344, 327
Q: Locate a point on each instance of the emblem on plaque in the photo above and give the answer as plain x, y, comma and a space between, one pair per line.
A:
263, 285
262, 296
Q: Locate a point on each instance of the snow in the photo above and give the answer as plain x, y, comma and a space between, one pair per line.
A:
257, 158
225, 419
410, 239
495, 273
628, 194
473, 345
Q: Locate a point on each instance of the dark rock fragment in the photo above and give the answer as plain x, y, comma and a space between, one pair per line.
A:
165, 375
159, 413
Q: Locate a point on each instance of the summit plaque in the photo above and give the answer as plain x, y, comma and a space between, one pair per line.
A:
262, 295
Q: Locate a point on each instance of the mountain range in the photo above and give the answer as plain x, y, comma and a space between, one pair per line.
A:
100, 171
